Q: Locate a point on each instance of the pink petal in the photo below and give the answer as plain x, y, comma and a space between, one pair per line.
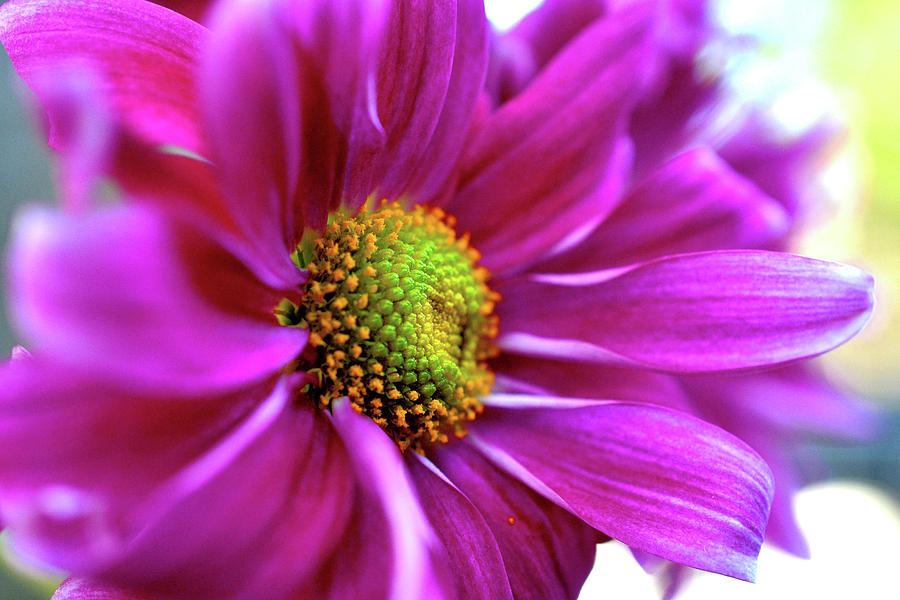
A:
553, 146
474, 556
394, 552
77, 455
693, 203
171, 497
145, 55
126, 295
711, 311
547, 552
193, 9
359, 99
440, 159
551, 378
796, 400
658, 480
257, 516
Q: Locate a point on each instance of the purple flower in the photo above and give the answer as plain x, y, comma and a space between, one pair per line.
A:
250, 379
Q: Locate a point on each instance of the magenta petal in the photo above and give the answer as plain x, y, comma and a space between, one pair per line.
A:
439, 160
693, 203
115, 292
264, 508
76, 455
547, 552
401, 558
551, 148
250, 87
146, 56
550, 378
77, 588
795, 400
120, 479
430, 71
472, 550
656, 479
704, 312
193, 9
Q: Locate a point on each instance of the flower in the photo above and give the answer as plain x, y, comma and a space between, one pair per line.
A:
196, 420
775, 411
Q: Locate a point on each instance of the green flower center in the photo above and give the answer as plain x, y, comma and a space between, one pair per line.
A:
400, 319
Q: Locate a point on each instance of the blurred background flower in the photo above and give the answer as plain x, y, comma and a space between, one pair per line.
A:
833, 57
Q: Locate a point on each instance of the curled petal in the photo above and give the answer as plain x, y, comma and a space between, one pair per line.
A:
145, 55
660, 481
704, 312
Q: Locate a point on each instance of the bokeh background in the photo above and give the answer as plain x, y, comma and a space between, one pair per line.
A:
835, 57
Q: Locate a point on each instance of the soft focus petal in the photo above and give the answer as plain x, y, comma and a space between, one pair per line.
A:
400, 559
243, 492
782, 165
548, 553
538, 168
658, 480
474, 556
77, 455
146, 56
693, 203
250, 87
795, 400
76, 588
711, 311
116, 292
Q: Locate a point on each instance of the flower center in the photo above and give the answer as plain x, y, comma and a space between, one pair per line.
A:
400, 319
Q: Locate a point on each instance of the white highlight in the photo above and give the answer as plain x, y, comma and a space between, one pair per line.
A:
504, 14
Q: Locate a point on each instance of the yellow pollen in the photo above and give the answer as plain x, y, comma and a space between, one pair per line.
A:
401, 321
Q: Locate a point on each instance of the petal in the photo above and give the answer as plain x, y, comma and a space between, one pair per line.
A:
551, 378
711, 311
193, 9
358, 99
547, 552
551, 148
124, 480
265, 508
145, 54
658, 480
411, 566
473, 552
77, 588
795, 400
430, 71
555, 23
441, 156
693, 203
782, 165
76, 455
132, 298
